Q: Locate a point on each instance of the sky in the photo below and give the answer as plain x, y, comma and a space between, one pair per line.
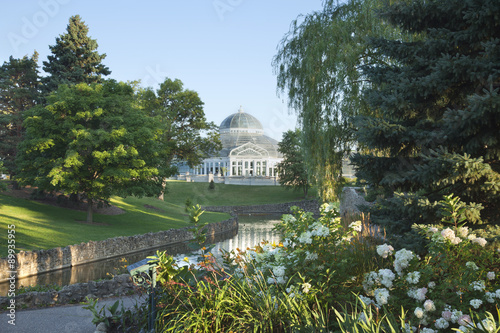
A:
222, 49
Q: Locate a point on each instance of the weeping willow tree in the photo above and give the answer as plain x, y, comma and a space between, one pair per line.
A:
318, 69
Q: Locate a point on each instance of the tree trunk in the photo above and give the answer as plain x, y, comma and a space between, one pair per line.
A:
90, 208
163, 186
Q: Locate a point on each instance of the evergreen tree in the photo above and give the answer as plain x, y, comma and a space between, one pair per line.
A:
435, 127
74, 58
292, 170
19, 91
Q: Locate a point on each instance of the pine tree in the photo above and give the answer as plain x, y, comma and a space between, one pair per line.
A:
19, 91
74, 58
435, 123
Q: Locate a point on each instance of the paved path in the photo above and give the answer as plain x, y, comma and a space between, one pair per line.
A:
59, 319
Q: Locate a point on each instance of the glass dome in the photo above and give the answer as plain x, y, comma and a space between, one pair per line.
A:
241, 122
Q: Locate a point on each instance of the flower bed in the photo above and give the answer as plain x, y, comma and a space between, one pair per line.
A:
330, 274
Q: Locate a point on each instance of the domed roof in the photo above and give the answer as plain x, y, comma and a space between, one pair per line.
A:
241, 122
244, 130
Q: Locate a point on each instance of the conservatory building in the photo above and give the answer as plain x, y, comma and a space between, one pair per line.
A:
248, 156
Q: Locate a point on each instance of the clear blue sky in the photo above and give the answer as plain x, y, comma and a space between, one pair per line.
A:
220, 48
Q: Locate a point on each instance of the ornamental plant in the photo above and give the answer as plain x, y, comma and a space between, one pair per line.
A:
327, 274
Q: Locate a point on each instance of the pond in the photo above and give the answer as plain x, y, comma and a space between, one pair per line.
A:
252, 230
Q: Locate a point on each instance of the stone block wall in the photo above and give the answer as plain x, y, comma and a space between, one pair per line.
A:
35, 262
118, 286
282, 208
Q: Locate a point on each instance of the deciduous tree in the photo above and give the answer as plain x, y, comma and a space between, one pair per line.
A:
90, 140
184, 132
318, 67
292, 170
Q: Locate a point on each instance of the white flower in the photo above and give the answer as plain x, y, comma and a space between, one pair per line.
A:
419, 313
427, 330
456, 240
279, 270
431, 284
490, 276
471, 237
418, 294
320, 231
442, 324
464, 329
476, 303
402, 260
497, 293
311, 256
490, 297
271, 280
446, 314
370, 280
281, 279
477, 285
448, 234
455, 316
413, 277
463, 231
429, 305
305, 237
471, 265
356, 226
486, 325
479, 240
433, 229
381, 296
386, 277
305, 287
366, 300
287, 218
384, 250
409, 329
464, 320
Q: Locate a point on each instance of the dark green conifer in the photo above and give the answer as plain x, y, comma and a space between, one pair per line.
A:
74, 58
435, 127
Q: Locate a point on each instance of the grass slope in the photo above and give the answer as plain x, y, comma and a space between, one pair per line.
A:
42, 226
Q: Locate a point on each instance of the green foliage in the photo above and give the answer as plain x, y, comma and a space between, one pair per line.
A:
19, 91
116, 318
292, 170
37, 288
434, 127
211, 185
323, 277
74, 58
318, 66
90, 140
183, 133
167, 269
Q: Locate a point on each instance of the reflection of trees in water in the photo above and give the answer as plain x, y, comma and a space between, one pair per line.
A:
252, 231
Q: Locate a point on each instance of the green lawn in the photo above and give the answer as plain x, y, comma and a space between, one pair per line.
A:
41, 226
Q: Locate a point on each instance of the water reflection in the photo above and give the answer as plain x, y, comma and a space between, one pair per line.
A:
252, 230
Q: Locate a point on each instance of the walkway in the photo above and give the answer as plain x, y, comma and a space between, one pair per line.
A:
59, 319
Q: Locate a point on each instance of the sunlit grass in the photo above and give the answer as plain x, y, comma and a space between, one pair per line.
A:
42, 226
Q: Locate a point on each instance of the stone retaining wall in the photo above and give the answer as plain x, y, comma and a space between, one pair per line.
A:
35, 262
282, 208
118, 286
